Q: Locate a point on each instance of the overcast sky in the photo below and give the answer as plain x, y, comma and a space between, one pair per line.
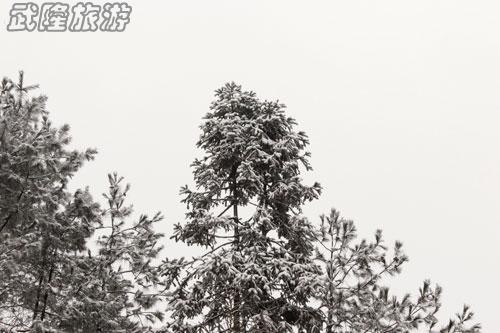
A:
400, 100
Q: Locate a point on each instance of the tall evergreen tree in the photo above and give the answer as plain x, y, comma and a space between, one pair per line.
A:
257, 274
49, 279
34, 170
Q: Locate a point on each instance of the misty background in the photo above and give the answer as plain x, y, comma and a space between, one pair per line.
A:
400, 100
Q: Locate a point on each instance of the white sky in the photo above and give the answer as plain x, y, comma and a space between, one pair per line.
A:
400, 100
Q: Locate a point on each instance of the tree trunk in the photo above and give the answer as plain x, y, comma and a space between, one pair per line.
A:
237, 296
38, 293
46, 296
41, 279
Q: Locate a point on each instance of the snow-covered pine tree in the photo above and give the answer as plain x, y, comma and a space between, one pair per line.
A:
49, 279
257, 274
34, 232
355, 300
115, 288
